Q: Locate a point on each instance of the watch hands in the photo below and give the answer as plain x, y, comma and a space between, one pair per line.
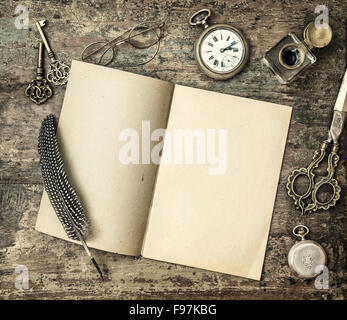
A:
229, 47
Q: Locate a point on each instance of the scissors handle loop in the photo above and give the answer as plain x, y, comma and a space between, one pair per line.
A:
309, 200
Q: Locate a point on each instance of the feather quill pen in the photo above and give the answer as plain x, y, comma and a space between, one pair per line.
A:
62, 196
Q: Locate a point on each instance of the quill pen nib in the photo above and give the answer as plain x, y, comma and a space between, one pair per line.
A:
89, 254
97, 268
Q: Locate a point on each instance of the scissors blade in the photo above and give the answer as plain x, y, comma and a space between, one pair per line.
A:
341, 101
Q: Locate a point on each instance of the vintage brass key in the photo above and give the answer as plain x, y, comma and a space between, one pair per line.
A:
58, 71
38, 89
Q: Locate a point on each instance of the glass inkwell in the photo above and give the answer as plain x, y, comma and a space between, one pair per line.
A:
290, 56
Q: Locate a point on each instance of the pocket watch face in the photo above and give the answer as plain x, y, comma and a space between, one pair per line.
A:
222, 50
306, 258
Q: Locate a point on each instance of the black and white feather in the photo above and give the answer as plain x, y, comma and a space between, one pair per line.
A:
60, 192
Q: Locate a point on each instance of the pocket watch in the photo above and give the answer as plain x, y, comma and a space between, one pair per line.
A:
306, 258
221, 51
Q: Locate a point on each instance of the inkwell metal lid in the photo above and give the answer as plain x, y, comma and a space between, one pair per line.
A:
306, 258
317, 37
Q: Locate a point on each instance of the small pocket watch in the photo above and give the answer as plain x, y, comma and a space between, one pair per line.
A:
221, 51
306, 258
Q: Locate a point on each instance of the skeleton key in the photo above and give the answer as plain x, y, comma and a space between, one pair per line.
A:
38, 90
58, 71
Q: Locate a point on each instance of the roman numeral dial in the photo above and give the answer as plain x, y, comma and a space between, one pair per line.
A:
222, 51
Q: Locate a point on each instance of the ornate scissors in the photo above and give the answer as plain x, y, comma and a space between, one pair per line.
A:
309, 201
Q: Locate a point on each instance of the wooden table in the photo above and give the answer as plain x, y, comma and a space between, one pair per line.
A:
61, 270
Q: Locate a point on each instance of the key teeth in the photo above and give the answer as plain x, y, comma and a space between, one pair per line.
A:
42, 23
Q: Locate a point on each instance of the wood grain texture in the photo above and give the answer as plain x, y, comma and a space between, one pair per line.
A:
61, 270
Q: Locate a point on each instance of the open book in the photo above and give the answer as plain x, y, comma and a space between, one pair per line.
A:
208, 204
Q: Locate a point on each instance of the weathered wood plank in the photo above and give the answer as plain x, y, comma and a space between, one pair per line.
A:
58, 269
